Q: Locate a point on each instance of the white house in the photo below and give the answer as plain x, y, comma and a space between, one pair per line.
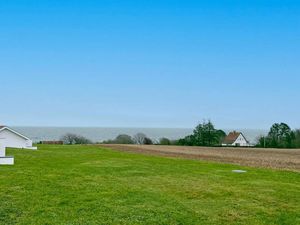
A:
13, 139
235, 139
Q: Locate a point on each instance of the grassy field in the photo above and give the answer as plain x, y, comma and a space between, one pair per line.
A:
94, 185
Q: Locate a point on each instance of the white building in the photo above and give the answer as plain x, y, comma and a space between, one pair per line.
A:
5, 160
12, 139
236, 139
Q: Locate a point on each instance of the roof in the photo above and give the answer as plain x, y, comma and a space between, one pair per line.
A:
231, 137
13, 131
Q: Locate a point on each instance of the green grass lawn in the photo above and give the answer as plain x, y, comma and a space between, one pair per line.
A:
92, 185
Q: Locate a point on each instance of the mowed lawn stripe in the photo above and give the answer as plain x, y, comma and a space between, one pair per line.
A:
94, 185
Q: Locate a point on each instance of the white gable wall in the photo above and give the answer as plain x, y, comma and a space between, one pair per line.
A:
12, 140
2, 150
240, 141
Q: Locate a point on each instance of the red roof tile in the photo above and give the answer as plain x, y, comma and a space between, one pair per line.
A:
231, 137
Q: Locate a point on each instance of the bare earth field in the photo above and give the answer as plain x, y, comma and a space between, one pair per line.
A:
286, 159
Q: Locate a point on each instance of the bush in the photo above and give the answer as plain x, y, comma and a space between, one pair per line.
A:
120, 139
147, 141
164, 141
123, 139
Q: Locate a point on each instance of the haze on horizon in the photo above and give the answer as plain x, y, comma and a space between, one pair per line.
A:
150, 63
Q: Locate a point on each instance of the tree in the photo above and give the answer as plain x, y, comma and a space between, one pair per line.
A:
261, 141
147, 141
220, 135
164, 141
280, 135
204, 134
187, 141
73, 139
139, 138
296, 138
123, 139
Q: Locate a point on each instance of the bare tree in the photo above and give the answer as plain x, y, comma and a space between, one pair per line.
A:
139, 138
73, 139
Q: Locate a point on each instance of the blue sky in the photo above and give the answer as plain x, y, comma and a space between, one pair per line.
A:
150, 63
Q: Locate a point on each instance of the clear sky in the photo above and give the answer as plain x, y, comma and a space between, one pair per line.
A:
150, 63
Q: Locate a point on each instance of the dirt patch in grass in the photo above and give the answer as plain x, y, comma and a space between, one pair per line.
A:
287, 159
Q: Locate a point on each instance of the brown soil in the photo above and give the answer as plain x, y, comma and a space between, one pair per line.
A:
286, 159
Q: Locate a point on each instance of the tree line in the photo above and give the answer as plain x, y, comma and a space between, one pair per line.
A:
280, 135
139, 139
204, 134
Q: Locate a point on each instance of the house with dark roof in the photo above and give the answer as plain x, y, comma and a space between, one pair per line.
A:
235, 139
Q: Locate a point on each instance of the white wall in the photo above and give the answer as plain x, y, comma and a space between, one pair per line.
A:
2, 150
7, 161
3, 159
240, 141
12, 140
